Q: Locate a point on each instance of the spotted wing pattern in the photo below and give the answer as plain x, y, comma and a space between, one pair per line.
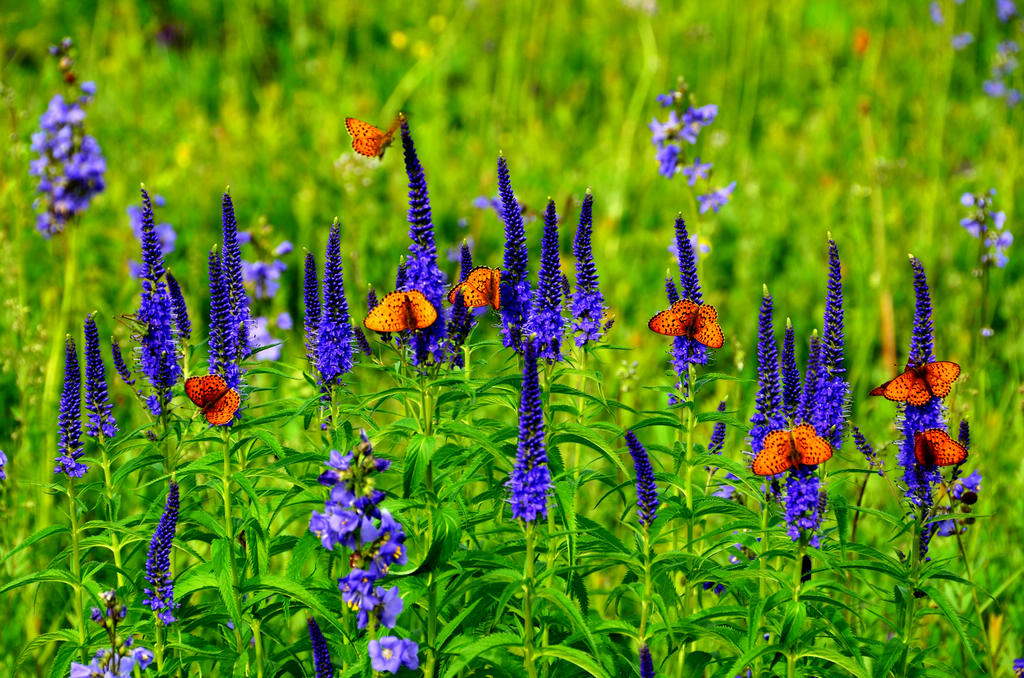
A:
941, 375
366, 139
908, 387
480, 288
709, 332
934, 447
204, 391
399, 311
812, 448
676, 321
776, 455
223, 409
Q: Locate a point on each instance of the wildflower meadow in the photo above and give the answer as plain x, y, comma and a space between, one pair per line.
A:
465, 339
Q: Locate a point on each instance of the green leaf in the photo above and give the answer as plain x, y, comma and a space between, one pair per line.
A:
52, 574
468, 653
580, 659
851, 666
222, 566
417, 458
38, 536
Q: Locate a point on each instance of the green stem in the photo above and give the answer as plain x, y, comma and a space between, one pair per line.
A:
691, 420
528, 660
426, 426
792, 656
908, 613
158, 650
258, 640
76, 569
229, 532
645, 604
115, 541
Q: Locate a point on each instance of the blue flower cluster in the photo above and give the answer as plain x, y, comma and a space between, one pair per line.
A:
646, 490
681, 129
97, 400
160, 592
123, 657
685, 351
166, 236
69, 419
328, 327
230, 323
323, 668
3, 462
587, 302
353, 518
987, 226
515, 280
530, 480
70, 166
546, 320
264, 278
1004, 64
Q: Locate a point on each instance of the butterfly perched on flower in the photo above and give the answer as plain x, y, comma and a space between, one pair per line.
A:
934, 447
399, 311
783, 450
480, 288
369, 140
212, 395
688, 319
919, 384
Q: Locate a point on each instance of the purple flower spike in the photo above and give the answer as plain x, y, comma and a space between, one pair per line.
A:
790, 374
530, 481
422, 271
832, 391
587, 303
223, 332
334, 337
810, 393
462, 317
804, 505
646, 662
686, 351
311, 301
119, 365
234, 280
717, 442
322, 666
646, 490
160, 593
515, 282
181, 320
768, 413
69, 420
546, 320
97, 401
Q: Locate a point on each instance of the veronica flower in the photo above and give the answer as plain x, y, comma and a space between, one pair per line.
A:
829, 413
804, 504
265, 278
864, 447
790, 374
3, 462
462, 317
1005, 10
1018, 667
587, 303
917, 418
123, 657
716, 199
69, 419
717, 441
686, 351
97, 400
178, 309
260, 337
165, 233
322, 666
768, 409
361, 341
546, 320
334, 336
646, 662
668, 160
961, 40
160, 593
234, 280
530, 481
70, 164
935, 12
515, 282
311, 302
158, 357
809, 396
422, 271
223, 332
646, 490
119, 365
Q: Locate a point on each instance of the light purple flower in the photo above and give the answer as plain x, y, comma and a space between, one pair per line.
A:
935, 11
716, 199
697, 170
961, 40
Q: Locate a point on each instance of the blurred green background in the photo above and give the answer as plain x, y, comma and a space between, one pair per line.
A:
874, 145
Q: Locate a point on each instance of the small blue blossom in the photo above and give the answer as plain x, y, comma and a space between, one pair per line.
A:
962, 40
716, 199
935, 12
697, 170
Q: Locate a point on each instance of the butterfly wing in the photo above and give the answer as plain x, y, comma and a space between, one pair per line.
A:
667, 323
812, 448
775, 456
934, 447
940, 376
422, 311
906, 388
223, 409
475, 288
366, 139
389, 315
496, 288
204, 391
709, 332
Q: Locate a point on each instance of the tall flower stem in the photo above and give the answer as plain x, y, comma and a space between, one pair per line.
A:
977, 606
108, 487
76, 568
691, 421
908, 613
229, 532
158, 647
645, 604
427, 427
528, 582
258, 640
797, 583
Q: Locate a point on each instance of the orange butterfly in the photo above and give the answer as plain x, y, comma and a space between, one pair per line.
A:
212, 395
480, 288
788, 449
369, 140
399, 311
688, 319
917, 385
934, 447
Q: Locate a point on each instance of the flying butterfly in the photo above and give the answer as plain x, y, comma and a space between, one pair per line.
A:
799, 446
688, 319
934, 447
212, 395
369, 140
399, 311
919, 384
480, 288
